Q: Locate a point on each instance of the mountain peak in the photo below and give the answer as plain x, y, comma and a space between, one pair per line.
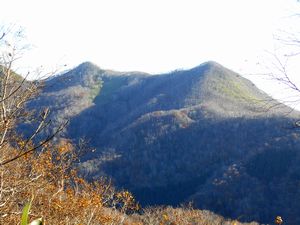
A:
211, 63
206, 66
87, 65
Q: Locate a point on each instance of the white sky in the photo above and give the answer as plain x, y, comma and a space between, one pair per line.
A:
150, 35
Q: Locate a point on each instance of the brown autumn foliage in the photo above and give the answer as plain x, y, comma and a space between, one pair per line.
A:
59, 195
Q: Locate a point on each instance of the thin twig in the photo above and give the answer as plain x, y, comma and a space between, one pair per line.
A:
36, 147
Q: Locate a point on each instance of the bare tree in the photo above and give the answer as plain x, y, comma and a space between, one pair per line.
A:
15, 92
281, 65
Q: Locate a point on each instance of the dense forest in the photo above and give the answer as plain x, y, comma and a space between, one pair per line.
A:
204, 135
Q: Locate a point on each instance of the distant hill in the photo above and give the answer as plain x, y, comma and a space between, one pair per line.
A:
205, 135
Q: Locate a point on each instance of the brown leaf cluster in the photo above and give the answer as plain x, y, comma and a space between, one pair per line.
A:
59, 194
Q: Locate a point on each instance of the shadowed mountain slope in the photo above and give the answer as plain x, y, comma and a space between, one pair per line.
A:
205, 135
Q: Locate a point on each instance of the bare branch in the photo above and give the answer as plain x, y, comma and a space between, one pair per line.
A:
2, 36
49, 138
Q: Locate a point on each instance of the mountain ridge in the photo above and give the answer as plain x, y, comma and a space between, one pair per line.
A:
181, 136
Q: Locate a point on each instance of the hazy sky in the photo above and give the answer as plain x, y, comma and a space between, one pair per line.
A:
149, 35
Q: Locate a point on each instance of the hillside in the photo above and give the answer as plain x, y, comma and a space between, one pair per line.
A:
205, 135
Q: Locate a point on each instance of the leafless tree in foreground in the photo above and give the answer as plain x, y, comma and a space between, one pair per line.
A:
282, 65
15, 92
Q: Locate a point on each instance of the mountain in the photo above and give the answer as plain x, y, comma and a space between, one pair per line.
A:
205, 135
